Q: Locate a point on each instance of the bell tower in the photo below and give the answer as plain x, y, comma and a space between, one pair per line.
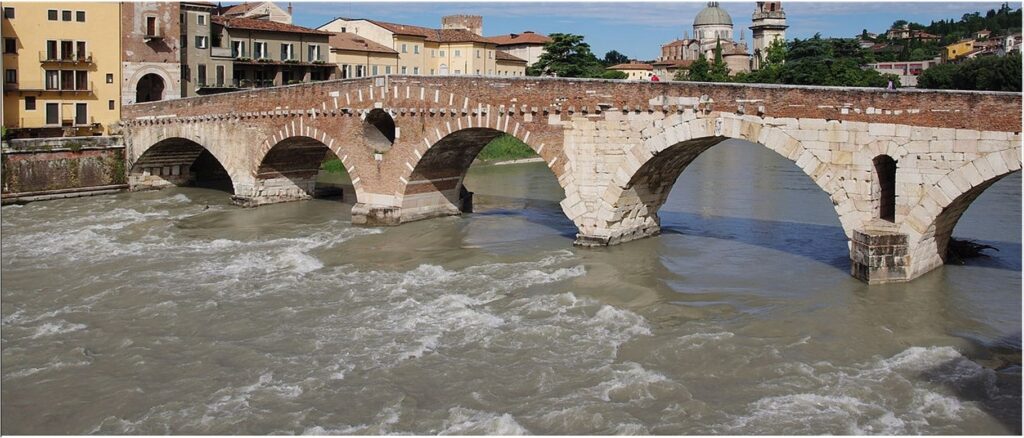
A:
769, 24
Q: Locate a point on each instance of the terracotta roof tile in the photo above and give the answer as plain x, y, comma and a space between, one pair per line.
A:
263, 25
505, 56
239, 9
527, 37
432, 35
631, 66
684, 63
351, 41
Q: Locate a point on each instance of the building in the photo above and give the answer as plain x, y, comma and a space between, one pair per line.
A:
666, 70
713, 28
982, 34
356, 56
150, 35
264, 53
62, 68
258, 10
958, 50
457, 48
769, 24
527, 45
908, 71
205, 62
635, 70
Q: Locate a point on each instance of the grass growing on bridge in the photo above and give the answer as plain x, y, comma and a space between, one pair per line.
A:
503, 148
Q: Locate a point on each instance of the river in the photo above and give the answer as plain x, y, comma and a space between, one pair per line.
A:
177, 312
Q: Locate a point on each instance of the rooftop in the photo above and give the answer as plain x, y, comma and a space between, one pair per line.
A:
712, 15
632, 65
432, 35
351, 41
527, 37
263, 25
504, 56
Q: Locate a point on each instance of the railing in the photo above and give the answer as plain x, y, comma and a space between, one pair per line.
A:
71, 58
88, 88
253, 83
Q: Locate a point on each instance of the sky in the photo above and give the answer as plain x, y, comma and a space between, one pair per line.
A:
639, 29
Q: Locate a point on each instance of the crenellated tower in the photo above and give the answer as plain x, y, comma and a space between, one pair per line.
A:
769, 24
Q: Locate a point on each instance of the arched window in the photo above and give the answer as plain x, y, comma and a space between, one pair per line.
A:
884, 187
149, 89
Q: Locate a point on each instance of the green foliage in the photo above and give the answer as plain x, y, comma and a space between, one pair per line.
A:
506, 147
74, 146
334, 166
838, 62
614, 74
771, 66
614, 57
719, 71
700, 70
116, 169
991, 73
567, 56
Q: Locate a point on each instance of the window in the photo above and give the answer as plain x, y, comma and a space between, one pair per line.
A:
201, 75
220, 75
151, 26
433, 53
314, 53
458, 53
478, 72
52, 114
387, 69
403, 70
65, 15
259, 50
359, 71
201, 42
10, 76
343, 30
51, 15
442, 53
431, 72
490, 54
286, 52
110, 104
110, 78
67, 50
81, 80
80, 16
373, 68
238, 49
80, 52
884, 187
81, 116
415, 70
8, 13
52, 80
404, 50
30, 103
201, 19
67, 79
346, 71
477, 53
10, 45
415, 49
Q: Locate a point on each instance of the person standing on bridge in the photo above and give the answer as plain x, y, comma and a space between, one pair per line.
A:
654, 78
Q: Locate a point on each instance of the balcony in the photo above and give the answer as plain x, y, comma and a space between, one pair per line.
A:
79, 88
69, 58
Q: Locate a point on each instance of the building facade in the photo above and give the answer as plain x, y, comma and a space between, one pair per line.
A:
908, 71
635, 71
768, 25
356, 56
264, 53
258, 10
62, 68
527, 45
150, 51
455, 49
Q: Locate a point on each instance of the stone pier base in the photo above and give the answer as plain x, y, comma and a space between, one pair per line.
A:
149, 181
616, 237
273, 191
879, 256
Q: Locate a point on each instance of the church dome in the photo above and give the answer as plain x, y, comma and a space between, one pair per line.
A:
712, 15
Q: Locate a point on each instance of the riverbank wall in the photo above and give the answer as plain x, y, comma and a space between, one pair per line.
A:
61, 167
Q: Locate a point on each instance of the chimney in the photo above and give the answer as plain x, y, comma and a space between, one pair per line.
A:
289, 8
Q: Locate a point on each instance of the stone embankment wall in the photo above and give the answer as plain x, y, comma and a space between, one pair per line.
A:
47, 168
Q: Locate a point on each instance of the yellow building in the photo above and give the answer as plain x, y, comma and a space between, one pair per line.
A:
62, 68
356, 56
455, 49
958, 49
635, 71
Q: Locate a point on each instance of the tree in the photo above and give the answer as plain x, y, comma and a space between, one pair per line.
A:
567, 56
614, 57
700, 70
991, 73
719, 71
614, 74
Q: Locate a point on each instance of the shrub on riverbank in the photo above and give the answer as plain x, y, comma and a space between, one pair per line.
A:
505, 148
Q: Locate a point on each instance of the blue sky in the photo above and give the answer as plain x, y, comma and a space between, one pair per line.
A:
639, 29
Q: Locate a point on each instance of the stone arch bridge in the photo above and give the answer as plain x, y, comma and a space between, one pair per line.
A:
900, 167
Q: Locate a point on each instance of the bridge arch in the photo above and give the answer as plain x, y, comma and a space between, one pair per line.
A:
179, 161
930, 223
287, 169
433, 184
641, 184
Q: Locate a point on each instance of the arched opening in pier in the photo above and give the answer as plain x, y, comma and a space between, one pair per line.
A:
379, 130
460, 173
883, 188
301, 168
150, 88
179, 162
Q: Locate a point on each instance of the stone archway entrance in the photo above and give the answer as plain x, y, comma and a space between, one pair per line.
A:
150, 88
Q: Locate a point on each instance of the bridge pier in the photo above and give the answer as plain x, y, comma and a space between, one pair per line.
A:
415, 207
879, 256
